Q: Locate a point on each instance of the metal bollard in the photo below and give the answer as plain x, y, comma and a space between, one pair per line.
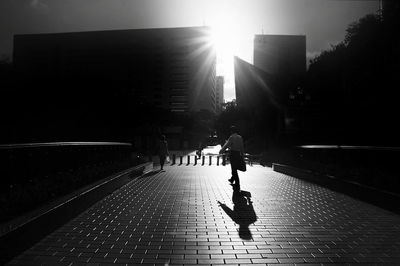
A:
173, 158
195, 160
218, 160
180, 159
210, 159
188, 159
202, 160
224, 160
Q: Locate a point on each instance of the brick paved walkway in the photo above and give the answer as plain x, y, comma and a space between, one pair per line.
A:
174, 218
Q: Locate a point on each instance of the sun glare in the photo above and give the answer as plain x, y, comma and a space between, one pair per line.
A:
230, 37
223, 37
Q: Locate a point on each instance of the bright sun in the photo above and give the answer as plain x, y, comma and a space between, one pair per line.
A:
230, 36
224, 38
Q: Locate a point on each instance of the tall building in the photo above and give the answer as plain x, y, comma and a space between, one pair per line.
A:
268, 89
254, 88
259, 95
220, 93
169, 68
389, 8
281, 54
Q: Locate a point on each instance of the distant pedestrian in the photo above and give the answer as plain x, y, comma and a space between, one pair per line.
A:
198, 152
236, 151
163, 150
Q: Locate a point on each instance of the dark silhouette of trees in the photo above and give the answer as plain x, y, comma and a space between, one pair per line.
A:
10, 107
230, 115
6, 74
254, 125
353, 83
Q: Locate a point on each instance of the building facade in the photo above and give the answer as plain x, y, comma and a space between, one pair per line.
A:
167, 68
259, 96
220, 93
255, 88
281, 54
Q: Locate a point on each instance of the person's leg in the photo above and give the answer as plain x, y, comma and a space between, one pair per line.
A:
162, 160
232, 171
235, 176
235, 157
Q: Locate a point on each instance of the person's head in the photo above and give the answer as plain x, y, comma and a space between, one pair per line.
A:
233, 129
163, 137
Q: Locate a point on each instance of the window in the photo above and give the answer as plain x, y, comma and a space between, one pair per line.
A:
179, 77
180, 83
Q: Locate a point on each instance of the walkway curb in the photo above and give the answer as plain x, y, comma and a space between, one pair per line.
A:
380, 198
29, 233
192, 216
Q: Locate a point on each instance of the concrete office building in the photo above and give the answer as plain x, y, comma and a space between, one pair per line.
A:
169, 68
259, 95
220, 93
264, 89
254, 88
283, 55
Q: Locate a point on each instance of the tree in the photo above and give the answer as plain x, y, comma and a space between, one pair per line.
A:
351, 82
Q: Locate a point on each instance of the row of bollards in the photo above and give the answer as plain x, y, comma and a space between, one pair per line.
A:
203, 158
196, 158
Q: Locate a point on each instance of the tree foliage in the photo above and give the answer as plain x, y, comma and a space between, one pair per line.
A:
352, 83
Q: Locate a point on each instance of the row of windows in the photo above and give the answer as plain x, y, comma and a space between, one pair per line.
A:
174, 90
173, 104
178, 92
181, 83
178, 110
181, 105
179, 53
178, 63
179, 77
182, 69
178, 98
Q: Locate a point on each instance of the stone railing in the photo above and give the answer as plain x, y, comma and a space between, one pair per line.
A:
35, 173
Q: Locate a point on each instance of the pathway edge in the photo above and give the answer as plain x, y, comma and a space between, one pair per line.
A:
33, 230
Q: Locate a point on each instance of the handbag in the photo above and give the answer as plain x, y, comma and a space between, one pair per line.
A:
242, 164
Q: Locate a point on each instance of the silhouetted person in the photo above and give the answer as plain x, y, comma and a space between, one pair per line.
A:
243, 212
236, 151
163, 151
198, 152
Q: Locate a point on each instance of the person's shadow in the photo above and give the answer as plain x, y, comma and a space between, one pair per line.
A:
243, 212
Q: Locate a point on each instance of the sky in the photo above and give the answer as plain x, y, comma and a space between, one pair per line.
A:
234, 21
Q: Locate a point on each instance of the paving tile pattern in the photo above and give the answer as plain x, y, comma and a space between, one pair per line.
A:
176, 218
